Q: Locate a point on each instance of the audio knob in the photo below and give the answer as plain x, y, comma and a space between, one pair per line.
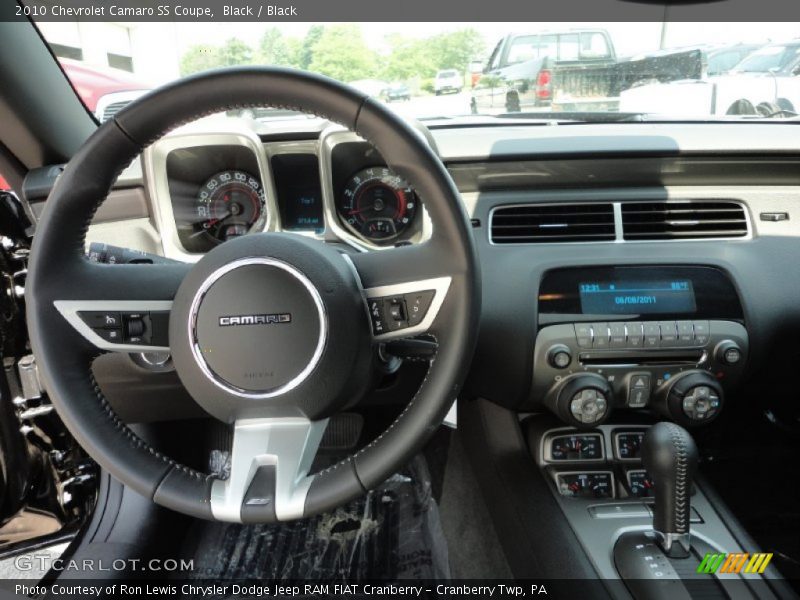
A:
691, 398
559, 356
582, 400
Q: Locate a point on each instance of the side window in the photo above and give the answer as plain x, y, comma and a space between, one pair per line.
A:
522, 48
494, 58
569, 47
594, 45
548, 46
4, 187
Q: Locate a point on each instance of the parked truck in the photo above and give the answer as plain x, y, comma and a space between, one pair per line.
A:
571, 70
766, 83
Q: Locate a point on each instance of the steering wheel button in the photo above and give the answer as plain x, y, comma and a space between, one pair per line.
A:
417, 305
101, 319
110, 335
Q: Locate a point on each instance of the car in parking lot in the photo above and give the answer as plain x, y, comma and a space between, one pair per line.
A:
448, 80
397, 92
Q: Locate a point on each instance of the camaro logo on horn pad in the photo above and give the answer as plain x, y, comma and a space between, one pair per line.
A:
265, 319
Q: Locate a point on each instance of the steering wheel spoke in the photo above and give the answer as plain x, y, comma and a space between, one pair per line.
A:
270, 461
122, 308
401, 304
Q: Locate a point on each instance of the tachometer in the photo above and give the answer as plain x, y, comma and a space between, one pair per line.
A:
229, 205
377, 204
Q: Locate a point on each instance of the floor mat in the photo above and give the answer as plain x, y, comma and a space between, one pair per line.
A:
394, 532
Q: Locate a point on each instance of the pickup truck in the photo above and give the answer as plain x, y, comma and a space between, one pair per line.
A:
571, 70
766, 83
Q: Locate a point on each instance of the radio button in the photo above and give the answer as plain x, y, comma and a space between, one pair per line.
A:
635, 337
652, 334
583, 335
685, 333
702, 333
616, 333
600, 337
669, 333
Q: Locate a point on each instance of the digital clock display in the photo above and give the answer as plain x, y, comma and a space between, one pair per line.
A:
636, 297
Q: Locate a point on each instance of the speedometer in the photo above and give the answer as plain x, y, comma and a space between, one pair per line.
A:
377, 204
229, 205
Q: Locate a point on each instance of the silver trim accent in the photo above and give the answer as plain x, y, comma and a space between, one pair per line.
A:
674, 545
69, 309
192, 326
617, 213
557, 474
554, 434
154, 161
310, 147
288, 443
329, 139
439, 284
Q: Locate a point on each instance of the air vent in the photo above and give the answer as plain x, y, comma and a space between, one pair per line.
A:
683, 220
543, 223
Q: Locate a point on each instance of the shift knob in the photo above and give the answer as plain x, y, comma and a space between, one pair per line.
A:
670, 456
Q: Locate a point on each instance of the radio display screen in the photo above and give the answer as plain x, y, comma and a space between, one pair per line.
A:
637, 296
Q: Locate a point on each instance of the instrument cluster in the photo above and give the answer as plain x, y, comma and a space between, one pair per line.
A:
221, 191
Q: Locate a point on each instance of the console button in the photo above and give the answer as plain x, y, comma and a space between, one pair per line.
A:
583, 335
669, 333
685, 333
702, 333
418, 304
635, 336
616, 335
652, 334
639, 390
101, 319
600, 335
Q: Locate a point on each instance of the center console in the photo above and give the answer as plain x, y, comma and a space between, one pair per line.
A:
667, 339
625, 358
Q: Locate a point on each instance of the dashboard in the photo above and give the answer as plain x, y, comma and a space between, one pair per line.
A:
210, 186
643, 255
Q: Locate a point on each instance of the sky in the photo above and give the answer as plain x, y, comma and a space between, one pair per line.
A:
629, 38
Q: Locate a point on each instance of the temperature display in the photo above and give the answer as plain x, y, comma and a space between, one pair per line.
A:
637, 297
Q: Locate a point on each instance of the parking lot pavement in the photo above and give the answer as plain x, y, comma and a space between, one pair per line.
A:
433, 106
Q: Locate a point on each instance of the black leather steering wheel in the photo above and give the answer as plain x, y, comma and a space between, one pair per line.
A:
269, 332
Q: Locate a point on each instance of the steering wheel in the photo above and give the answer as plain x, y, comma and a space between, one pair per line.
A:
271, 333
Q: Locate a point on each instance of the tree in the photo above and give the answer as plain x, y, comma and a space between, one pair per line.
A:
455, 50
341, 53
200, 58
407, 59
275, 49
306, 54
235, 52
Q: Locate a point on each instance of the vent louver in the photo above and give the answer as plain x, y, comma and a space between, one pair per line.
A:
544, 223
683, 220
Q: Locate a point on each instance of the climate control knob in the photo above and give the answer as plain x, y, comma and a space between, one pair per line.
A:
691, 398
582, 400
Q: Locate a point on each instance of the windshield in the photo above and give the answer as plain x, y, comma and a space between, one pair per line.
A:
771, 58
541, 71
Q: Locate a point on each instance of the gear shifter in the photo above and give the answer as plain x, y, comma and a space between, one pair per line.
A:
670, 456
